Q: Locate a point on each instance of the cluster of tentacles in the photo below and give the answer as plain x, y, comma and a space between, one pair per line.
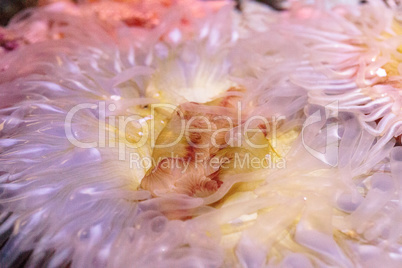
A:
187, 133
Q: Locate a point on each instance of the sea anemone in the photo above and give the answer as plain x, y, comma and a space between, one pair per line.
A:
185, 133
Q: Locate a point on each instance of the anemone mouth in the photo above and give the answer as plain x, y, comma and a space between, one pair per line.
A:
201, 144
166, 135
